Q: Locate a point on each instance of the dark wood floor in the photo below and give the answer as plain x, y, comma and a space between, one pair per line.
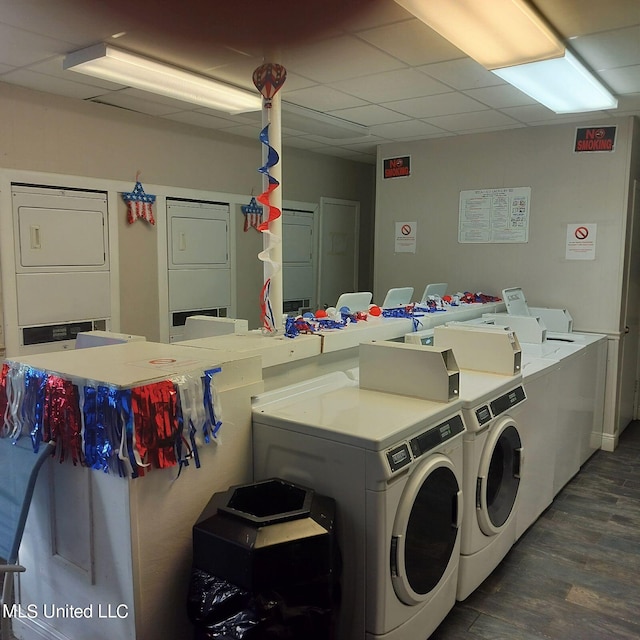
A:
575, 574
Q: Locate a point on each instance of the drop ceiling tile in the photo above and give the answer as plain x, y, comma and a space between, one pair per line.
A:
577, 17
529, 113
338, 59
440, 105
463, 73
629, 103
377, 14
369, 115
474, 121
239, 73
302, 142
537, 114
391, 85
199, 119
80, 24
125, 100
623, 80
21, 48
49, 84
323, 99
412, 42
246, 131
502, 96
54, 67
367, 147
404, 130
338, 152
609, 50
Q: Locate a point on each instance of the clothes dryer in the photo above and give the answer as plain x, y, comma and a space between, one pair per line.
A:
394, 466
493, 460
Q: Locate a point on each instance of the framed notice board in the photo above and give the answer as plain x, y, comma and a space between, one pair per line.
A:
494, 215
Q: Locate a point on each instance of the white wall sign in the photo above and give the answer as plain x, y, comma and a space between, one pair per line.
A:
581, 242
494, 215
406, 237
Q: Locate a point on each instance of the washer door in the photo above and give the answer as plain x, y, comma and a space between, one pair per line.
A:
498, 476
425, 529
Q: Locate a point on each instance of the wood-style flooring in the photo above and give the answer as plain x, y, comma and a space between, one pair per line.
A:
575, 574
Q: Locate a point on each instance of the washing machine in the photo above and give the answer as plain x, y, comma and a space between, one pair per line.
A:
537, 420
577, 393
394, 465
493, 455
580, 395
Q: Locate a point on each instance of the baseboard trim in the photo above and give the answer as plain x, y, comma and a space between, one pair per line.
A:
609, 442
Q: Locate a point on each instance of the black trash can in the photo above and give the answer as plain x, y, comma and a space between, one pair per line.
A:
265, 565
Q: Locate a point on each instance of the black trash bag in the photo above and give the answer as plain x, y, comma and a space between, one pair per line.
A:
212, 599
220, 610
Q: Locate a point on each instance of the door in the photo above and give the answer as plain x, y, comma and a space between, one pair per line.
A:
425, 529
338, 252
298, 257
498, 476
629, 341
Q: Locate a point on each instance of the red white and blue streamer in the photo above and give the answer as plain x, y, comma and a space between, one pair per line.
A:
273, 213
114, 430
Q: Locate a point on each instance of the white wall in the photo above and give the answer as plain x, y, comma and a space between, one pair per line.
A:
47, 133
565, 188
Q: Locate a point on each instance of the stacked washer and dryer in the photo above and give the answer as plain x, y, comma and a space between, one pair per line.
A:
394, 464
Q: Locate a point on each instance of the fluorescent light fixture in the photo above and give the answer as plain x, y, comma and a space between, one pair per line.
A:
495, 33
109, 63
561, 84
510, 38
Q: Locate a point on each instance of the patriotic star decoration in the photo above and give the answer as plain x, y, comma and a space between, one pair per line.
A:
252, 214
139, 204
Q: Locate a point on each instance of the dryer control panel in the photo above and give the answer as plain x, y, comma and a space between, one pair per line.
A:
404, 453
508, 400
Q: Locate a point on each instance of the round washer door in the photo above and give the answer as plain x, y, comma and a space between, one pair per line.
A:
498, 476
425, 529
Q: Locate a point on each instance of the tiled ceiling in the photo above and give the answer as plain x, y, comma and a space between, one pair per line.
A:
374, 64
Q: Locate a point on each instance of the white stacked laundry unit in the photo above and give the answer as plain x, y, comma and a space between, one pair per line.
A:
58, 280
198, 258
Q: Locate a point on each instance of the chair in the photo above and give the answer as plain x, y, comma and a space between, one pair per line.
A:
19, 467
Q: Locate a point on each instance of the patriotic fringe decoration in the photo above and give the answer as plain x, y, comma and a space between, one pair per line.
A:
123, 431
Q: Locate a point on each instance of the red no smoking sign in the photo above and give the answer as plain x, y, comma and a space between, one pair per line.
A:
581, 233
581, 241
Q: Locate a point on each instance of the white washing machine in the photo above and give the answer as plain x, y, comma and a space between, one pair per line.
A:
537, 420
394, 466
578, 395
493, 459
